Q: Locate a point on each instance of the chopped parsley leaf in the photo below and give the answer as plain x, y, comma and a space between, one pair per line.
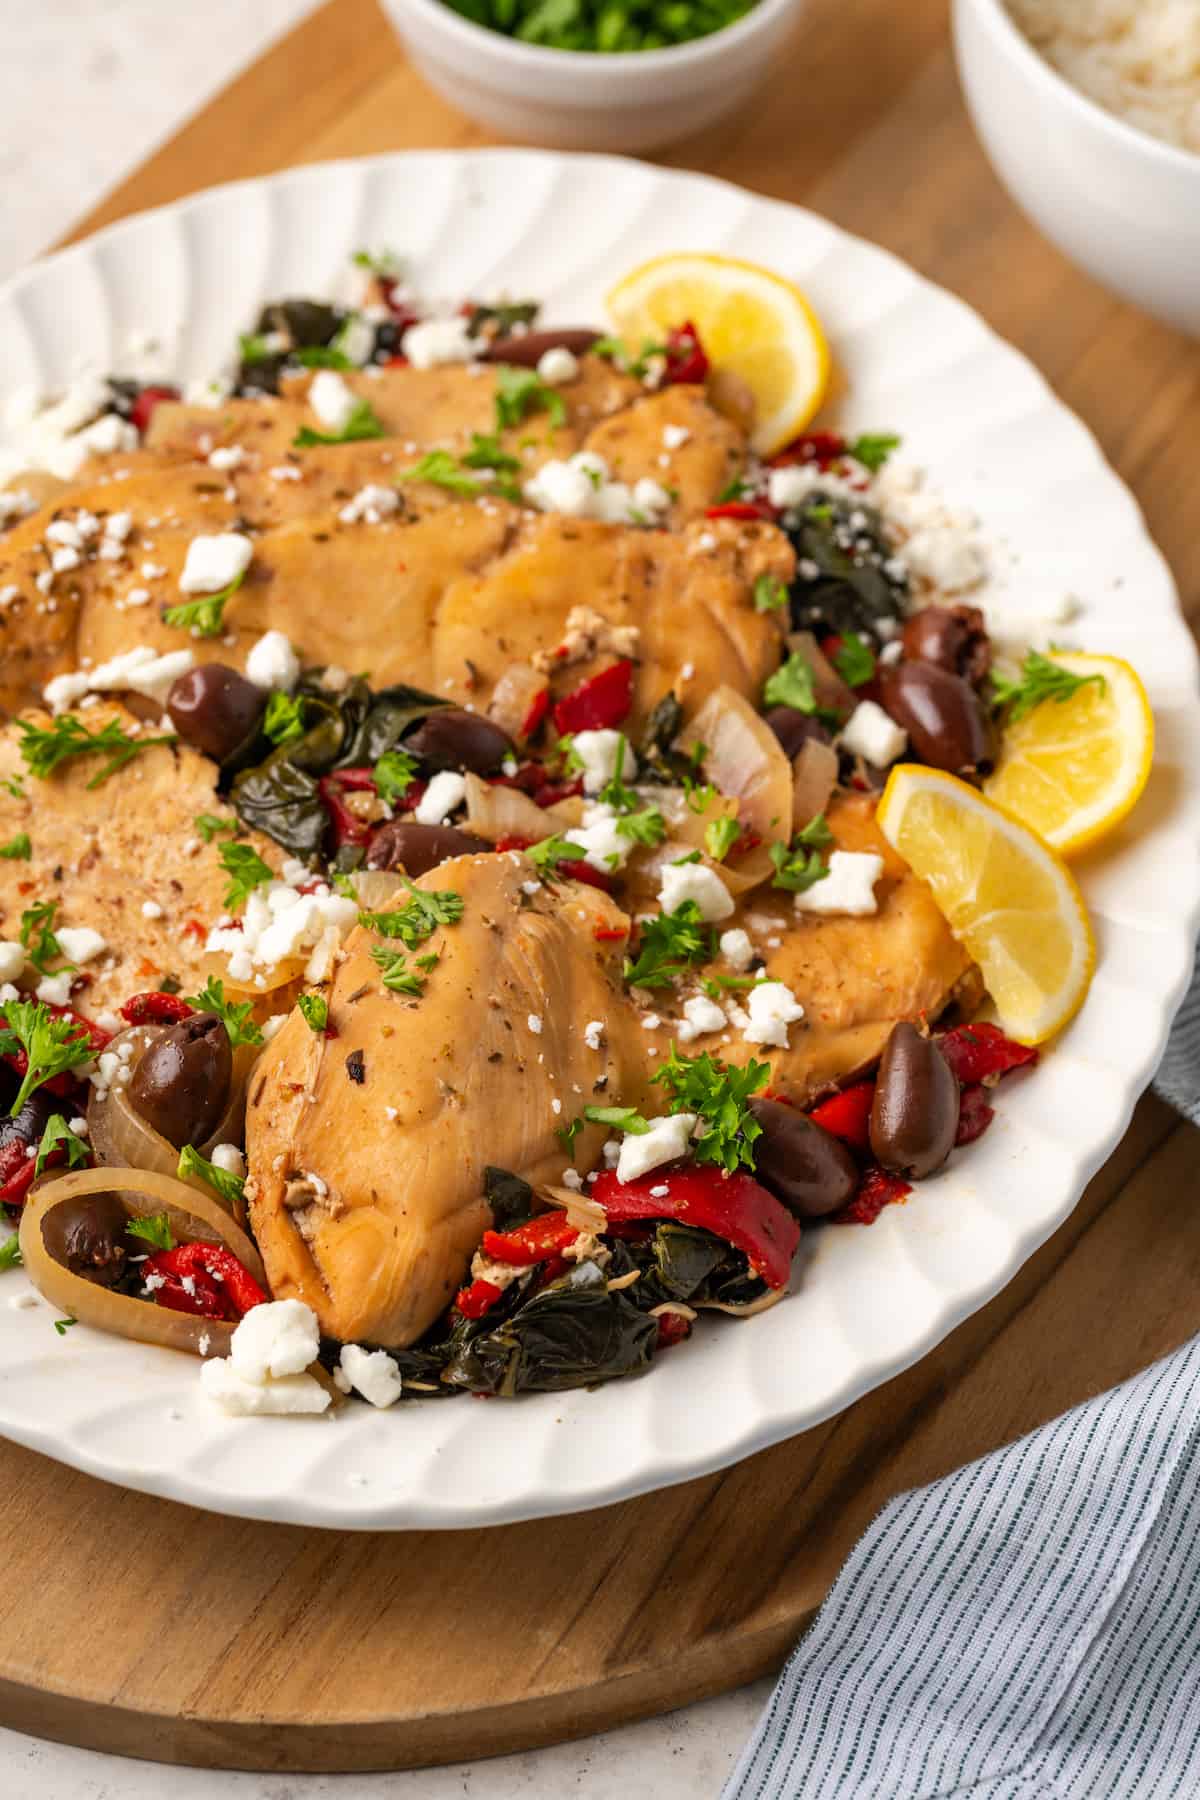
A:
384, 263
59, 1132
419, 918
283, 721
802, 866
37, 935
314, 1010
235, 1016
362, 423
1039, 680
398, 978
322, 356
52, 1046
231, 1188
720, 836
792, 685
645, 827
44, 748
10, 1252
770, 594
550, 852
17, 849
204, 618
566, 1135
721, 1095
394, 774
246, 870
62, 1326
520, 392
623, 1118
442, 469
668, 944
253, 347
153, 1228
487, 452
873, 449
854, 660
210, 826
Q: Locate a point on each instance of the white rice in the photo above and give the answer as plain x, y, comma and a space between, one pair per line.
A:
1138, 58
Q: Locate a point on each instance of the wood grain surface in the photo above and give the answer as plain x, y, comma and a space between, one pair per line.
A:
134, 1625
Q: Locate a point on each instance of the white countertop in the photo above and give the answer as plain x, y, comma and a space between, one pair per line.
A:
86, 92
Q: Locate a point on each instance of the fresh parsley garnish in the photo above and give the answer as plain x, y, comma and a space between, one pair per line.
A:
854, 660
45, 748
37, 935
384, 263
801, 866
520, 392
770, 594
52, 1046
12, 786
419, 918
547, 855
246, 870
668, 944
362, 423
153, 1228
487, 452
204, 618
792, 685
398, 978
231, 1188
732, 491
873, 449
210, 826
314, 1010
394, 773
62, 1326
17, 849
715, 985
283, 721
623, 1118
59, 1132
442, 469
1039, 680
253, 347
720, 836
645, 827
721, 1095
234, 1015
322, 356
10, 1252
614, 793
566, 1135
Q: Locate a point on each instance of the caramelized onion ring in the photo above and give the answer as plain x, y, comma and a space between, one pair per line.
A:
194, 1217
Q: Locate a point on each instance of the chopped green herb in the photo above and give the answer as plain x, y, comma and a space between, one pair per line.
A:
322, 356
246, 870
566, 1135
419, 918
721, 1095
770, 594
384, 263
45, 748
361, 424
802, 866
550, 852
733, 491
37, 935
210, 826
668, 944
611, 349
699, 794
623, 1118
17, 849
153, 1228
398, 978
62, 1326
645, 827
231, 1188
394, 774
10, 1252
792, 685
442, 469
12, 786
520, 392
59, 1132
1039, 680
715, 985
428, 962
253, 347
873, 450
314, 1010
854, 660
487, 452
235, 1016
720, 837
52, 1046
204, 618
283, 721
614, 793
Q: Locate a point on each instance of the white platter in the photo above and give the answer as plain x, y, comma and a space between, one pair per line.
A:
868, 1302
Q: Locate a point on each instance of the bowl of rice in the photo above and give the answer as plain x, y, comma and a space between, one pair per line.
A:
1090, 113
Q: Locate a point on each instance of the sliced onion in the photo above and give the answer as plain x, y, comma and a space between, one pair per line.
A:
749, 1308
744, 758
514, 698
814, 777
743, 873
374, 888
832, 693
583, 1213
279, 977
494, 813
193, 1217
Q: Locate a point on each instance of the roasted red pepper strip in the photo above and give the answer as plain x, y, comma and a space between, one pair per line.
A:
672, 1329
733, 1207
348, 828
155, 1009
599, 703
539, 706
16, 1172
976, 1051
579, 870
879, 1189
848, 1115
974, 1114
478, 1298
146, 403
822, 447
219, 1279
532, 1242
686, 360
742, 509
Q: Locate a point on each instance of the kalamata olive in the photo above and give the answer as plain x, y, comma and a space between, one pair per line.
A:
180, 1085
914, 1115
418, 848
214, 709
87, 1236
453, 738
794, 729
954, 637
29, 1124
807, 1168
526, 350
942, 715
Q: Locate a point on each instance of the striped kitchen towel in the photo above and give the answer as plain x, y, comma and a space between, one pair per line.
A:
1029, 1626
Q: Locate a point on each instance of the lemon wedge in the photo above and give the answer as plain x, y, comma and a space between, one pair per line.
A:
1006, 896
1074, 768
750, 321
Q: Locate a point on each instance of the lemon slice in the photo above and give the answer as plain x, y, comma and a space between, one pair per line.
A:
1073, 769
1005, 895
750, 321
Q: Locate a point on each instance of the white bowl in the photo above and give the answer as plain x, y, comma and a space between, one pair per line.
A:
1123, 204
588, 100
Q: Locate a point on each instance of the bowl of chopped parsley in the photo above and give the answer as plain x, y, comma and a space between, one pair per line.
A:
594, 74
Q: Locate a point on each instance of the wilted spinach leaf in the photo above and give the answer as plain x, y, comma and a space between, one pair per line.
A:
853, 589
572, 1333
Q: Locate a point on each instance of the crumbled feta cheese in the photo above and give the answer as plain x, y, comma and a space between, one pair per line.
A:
700, 1016
849, 886
534, 1022
446, 792
436, 341
593, 1031
227, 456
331, 400
229, 1158
737, 949
272, 663
280, 1338
791, 486
12, 960
874, 735
693, 881
55, 990
108, 434
118, 525
213, 561
772, 1007
279, 925
581, 488
674, 437
62, 691
141, 671
80, 943
371, 503
221, 1384
600, 838
557, 366
212, 391
597, 753
666, 1141
16, 503
570, 1178
372, 1373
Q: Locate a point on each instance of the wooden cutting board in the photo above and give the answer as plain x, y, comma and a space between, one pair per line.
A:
133, 1625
